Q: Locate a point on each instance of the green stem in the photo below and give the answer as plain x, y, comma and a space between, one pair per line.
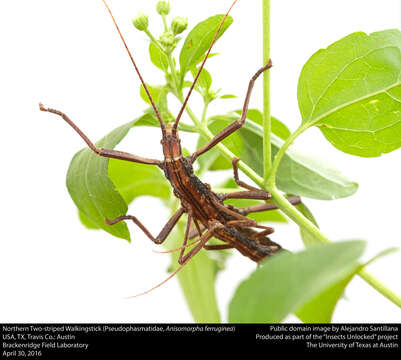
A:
153, 40
266, 91
380, 287
295, 215
204, 119
165, 22
271, 180
173, 74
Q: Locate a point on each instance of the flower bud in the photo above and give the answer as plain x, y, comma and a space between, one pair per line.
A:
167, 39
141, 21
163, 7
179, 24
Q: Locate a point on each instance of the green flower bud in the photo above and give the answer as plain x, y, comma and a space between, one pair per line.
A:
163, 7
179, 24
168, 40
141, 21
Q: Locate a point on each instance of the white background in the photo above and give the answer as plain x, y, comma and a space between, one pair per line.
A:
67, 55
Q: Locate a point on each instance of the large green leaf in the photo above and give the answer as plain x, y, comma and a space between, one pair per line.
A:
102, 187
298, 173
283, 284
198, 41
91, 189
321, 309
352, 91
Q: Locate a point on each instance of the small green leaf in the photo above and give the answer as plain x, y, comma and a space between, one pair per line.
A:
155, 93
227, 96
286, 282
198, 41
149, 119
159, 95
352, 92
158, 57
204, 80
298, 173
91, 189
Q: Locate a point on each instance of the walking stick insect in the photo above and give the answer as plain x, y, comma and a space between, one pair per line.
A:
206, 209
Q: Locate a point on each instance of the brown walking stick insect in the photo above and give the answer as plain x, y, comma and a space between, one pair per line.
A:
206, 210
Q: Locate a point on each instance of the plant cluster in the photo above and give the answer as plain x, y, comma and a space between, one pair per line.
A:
351, 91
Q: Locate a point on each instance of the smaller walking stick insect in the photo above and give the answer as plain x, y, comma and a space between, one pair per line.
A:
206, 209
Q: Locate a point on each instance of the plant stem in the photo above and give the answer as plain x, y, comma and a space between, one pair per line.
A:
204, 119
165, 22
266, 91
153, 40
380, 287
296, 216
271, 180
173, 73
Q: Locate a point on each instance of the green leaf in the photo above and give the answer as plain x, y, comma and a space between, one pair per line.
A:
204, 80
88, 223
321, 309
91, 189
298, 173
149, 119
133, 180
352, 92
158, 57
286, 282
159, 95
307, 238
278, 128
155, 93
197, 280
227, 96
198, 41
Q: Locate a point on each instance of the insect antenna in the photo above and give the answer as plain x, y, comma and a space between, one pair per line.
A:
200, 69
160, 284
176, 249
162, 126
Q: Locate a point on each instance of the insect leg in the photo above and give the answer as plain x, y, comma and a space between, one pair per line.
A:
252, 195
236, 124
218, 247
228, 211
163, 233
196, 232
241, 183
180, 258
109, 153
202, 241
293, 200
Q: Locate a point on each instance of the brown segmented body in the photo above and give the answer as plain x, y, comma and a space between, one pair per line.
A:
198, 199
